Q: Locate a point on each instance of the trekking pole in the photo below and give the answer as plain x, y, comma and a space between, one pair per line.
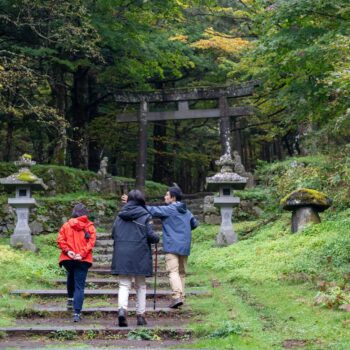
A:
155, 277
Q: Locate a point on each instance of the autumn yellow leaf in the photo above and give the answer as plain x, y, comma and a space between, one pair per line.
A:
218, 41
179, 37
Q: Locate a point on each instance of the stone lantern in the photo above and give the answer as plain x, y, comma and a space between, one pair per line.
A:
23, 183
305, 204
226, 181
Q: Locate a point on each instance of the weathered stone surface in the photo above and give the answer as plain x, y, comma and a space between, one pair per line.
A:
94, 186
304, 217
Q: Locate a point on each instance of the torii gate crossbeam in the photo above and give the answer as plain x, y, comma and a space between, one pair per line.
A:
182, 96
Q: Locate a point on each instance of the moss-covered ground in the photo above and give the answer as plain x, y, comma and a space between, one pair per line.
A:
265, 291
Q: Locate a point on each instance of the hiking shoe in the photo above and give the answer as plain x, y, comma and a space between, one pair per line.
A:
76, 318
141, 321
122, 322
70, 304
176, 303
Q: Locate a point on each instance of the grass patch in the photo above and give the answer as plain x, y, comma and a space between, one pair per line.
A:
25, 270
263, 290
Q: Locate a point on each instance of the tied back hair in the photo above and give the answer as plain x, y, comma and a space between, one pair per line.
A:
136, 196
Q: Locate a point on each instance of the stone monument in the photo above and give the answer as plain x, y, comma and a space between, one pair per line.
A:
103, 168
226, 181
23, 183
305, 204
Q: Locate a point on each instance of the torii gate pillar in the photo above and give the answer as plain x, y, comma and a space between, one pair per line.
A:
142, 154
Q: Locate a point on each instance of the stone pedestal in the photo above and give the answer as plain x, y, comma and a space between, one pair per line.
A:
22, 235
226, 235
303, 217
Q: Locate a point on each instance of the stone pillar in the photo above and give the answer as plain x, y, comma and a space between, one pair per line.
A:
304, 217
224, 126
226, 235
21, 236
141, 167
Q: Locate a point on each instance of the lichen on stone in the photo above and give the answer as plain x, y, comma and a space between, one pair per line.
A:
304, 197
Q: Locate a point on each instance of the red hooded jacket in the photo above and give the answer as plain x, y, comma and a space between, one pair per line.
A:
72, 237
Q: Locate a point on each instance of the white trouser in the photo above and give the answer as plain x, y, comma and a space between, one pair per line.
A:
124, 289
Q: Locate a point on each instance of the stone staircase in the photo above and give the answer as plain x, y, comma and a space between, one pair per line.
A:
46, 320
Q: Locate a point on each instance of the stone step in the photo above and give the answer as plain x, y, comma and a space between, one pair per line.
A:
106, 246
92, 302
30, 330
62, 310
103, 269
161, 282
104, 243
106, 265
107, 258
104, 250
94, 292
103, 235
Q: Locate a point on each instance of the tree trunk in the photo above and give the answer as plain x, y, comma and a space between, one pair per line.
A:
79, 118
9, 139
94, 152
160, 160
59, 94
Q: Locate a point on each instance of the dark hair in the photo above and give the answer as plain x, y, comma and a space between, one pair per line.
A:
136, 196
175, 192
79, 210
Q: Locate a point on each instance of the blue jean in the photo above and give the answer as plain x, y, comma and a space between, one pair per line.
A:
76, 277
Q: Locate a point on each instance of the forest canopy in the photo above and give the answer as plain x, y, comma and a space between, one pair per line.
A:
62, 61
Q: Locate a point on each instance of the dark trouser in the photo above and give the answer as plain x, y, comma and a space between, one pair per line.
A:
76, 277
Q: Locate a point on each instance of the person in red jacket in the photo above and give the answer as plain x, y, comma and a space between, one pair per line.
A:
76, 239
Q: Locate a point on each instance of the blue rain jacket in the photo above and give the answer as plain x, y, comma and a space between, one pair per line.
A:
177, 224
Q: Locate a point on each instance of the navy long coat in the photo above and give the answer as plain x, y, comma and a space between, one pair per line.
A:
133, 234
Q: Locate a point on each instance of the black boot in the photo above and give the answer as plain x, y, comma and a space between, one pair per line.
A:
122, 322
176, 303
141, 321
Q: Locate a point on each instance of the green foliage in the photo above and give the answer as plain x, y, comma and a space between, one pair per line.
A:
300, 55
333, 297
227, 328
63, 335
143, 334
323, 173
72, 183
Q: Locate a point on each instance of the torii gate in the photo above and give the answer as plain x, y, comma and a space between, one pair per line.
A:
182, 96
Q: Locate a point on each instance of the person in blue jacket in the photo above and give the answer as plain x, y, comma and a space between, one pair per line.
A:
177, 224
132, 255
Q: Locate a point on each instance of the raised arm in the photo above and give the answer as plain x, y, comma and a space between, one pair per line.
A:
159, 211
